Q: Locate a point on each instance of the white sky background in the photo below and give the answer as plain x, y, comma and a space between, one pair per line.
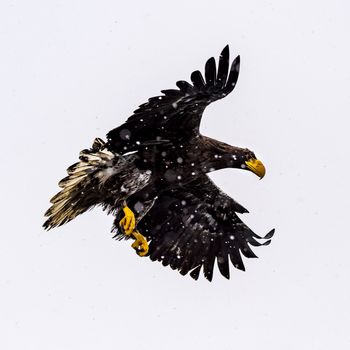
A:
73, 70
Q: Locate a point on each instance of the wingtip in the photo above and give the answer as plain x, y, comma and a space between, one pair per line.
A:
225, 53
226, 48
195, 272
237, 62
270, 234
239, 267
226, 275
209, 277
209, 61
46, 225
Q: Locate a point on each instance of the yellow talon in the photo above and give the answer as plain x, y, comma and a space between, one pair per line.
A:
128, 222
140, 244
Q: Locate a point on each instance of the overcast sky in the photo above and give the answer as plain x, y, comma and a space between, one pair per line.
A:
72, 70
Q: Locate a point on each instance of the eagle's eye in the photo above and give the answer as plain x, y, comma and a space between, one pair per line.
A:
248, 154
252, 155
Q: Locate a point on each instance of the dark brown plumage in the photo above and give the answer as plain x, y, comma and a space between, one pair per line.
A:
157, 163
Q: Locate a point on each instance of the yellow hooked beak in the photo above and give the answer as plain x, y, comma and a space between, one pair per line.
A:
256, 166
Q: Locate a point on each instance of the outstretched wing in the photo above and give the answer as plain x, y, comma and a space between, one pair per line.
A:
193, 226
177, 113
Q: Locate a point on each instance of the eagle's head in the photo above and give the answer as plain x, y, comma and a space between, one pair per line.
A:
220, 155
247, 160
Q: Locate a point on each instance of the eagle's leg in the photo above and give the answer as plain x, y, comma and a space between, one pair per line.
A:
128, 224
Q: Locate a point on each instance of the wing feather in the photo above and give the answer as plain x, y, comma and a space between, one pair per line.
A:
233, 76
224, 62
210, 72
197, 80
195, 234
162, 115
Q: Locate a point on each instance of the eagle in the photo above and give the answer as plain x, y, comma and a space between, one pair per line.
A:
152, 171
